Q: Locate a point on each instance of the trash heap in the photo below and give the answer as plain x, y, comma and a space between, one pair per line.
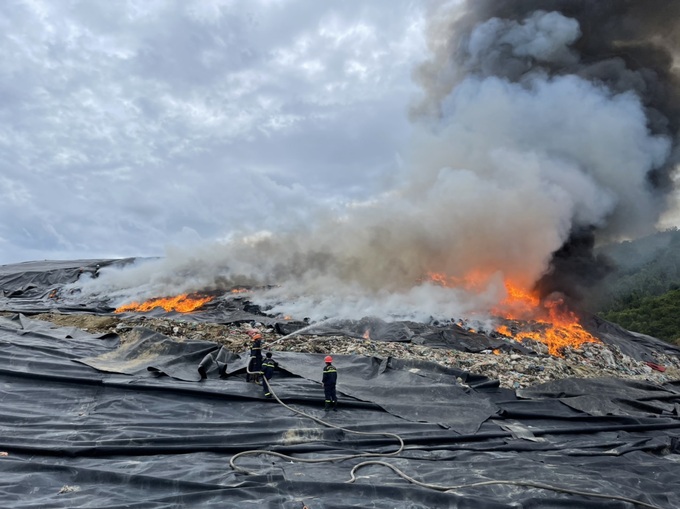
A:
511, 369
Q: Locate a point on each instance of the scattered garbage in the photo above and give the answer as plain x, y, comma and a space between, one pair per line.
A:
69, 489
512, 370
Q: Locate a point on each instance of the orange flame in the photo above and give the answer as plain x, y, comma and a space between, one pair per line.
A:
555, 325
185, 303
470, 281
505, 330
519, 304
439, 279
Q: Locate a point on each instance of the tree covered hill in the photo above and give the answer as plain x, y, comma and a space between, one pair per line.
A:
642, 293
655, 316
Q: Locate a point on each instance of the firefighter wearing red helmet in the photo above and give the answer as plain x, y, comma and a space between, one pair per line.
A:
329, 379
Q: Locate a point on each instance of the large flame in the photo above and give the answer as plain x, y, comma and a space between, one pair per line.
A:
555, 324
552, 322
185, 303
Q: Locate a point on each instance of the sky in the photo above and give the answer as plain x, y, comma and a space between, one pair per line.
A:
130, 126
403, 159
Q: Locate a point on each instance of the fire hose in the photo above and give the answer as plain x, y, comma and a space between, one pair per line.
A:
527, 484
400, 473
232, 461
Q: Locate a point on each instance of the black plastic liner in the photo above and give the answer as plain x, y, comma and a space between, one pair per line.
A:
144, 431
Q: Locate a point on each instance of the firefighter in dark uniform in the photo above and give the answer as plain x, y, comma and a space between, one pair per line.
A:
268, 367
255, 364
329, 379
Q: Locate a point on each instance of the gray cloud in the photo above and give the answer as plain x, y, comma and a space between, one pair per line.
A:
125, 123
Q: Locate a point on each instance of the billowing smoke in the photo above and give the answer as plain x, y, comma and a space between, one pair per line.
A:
544, 127
622, 54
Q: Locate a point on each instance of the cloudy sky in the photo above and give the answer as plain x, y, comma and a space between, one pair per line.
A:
360, 146
130, 126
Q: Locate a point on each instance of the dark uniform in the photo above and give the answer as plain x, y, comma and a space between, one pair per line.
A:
255, 364
330, 378
268, 367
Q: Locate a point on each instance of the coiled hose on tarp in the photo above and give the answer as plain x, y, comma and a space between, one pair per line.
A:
399, 472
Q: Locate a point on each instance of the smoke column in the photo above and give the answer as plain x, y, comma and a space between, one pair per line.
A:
625, 48
543, 128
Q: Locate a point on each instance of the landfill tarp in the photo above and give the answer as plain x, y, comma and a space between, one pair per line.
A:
40, 286
638, 346
74, 436
363, 378
607, 396
147, 350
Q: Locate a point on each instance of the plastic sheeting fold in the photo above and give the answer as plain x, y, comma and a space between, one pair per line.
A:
82, 437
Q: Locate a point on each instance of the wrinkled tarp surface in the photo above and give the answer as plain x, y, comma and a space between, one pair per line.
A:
142, 431
88, 422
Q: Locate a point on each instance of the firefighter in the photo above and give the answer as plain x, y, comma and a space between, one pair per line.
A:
255, 364
268, 367
329, 379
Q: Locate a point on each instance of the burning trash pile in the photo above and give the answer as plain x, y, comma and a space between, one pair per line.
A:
530, 340
523, 360
512, 370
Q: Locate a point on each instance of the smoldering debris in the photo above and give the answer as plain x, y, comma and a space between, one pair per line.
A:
512, 369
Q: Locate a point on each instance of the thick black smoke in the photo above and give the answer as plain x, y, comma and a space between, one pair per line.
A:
624, 46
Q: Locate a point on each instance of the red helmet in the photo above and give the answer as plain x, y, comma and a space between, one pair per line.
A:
328, 359
256, 336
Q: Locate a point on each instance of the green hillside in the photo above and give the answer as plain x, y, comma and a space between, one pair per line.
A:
655, 316
643, 293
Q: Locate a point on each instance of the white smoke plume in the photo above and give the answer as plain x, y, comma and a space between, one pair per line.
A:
518, 147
